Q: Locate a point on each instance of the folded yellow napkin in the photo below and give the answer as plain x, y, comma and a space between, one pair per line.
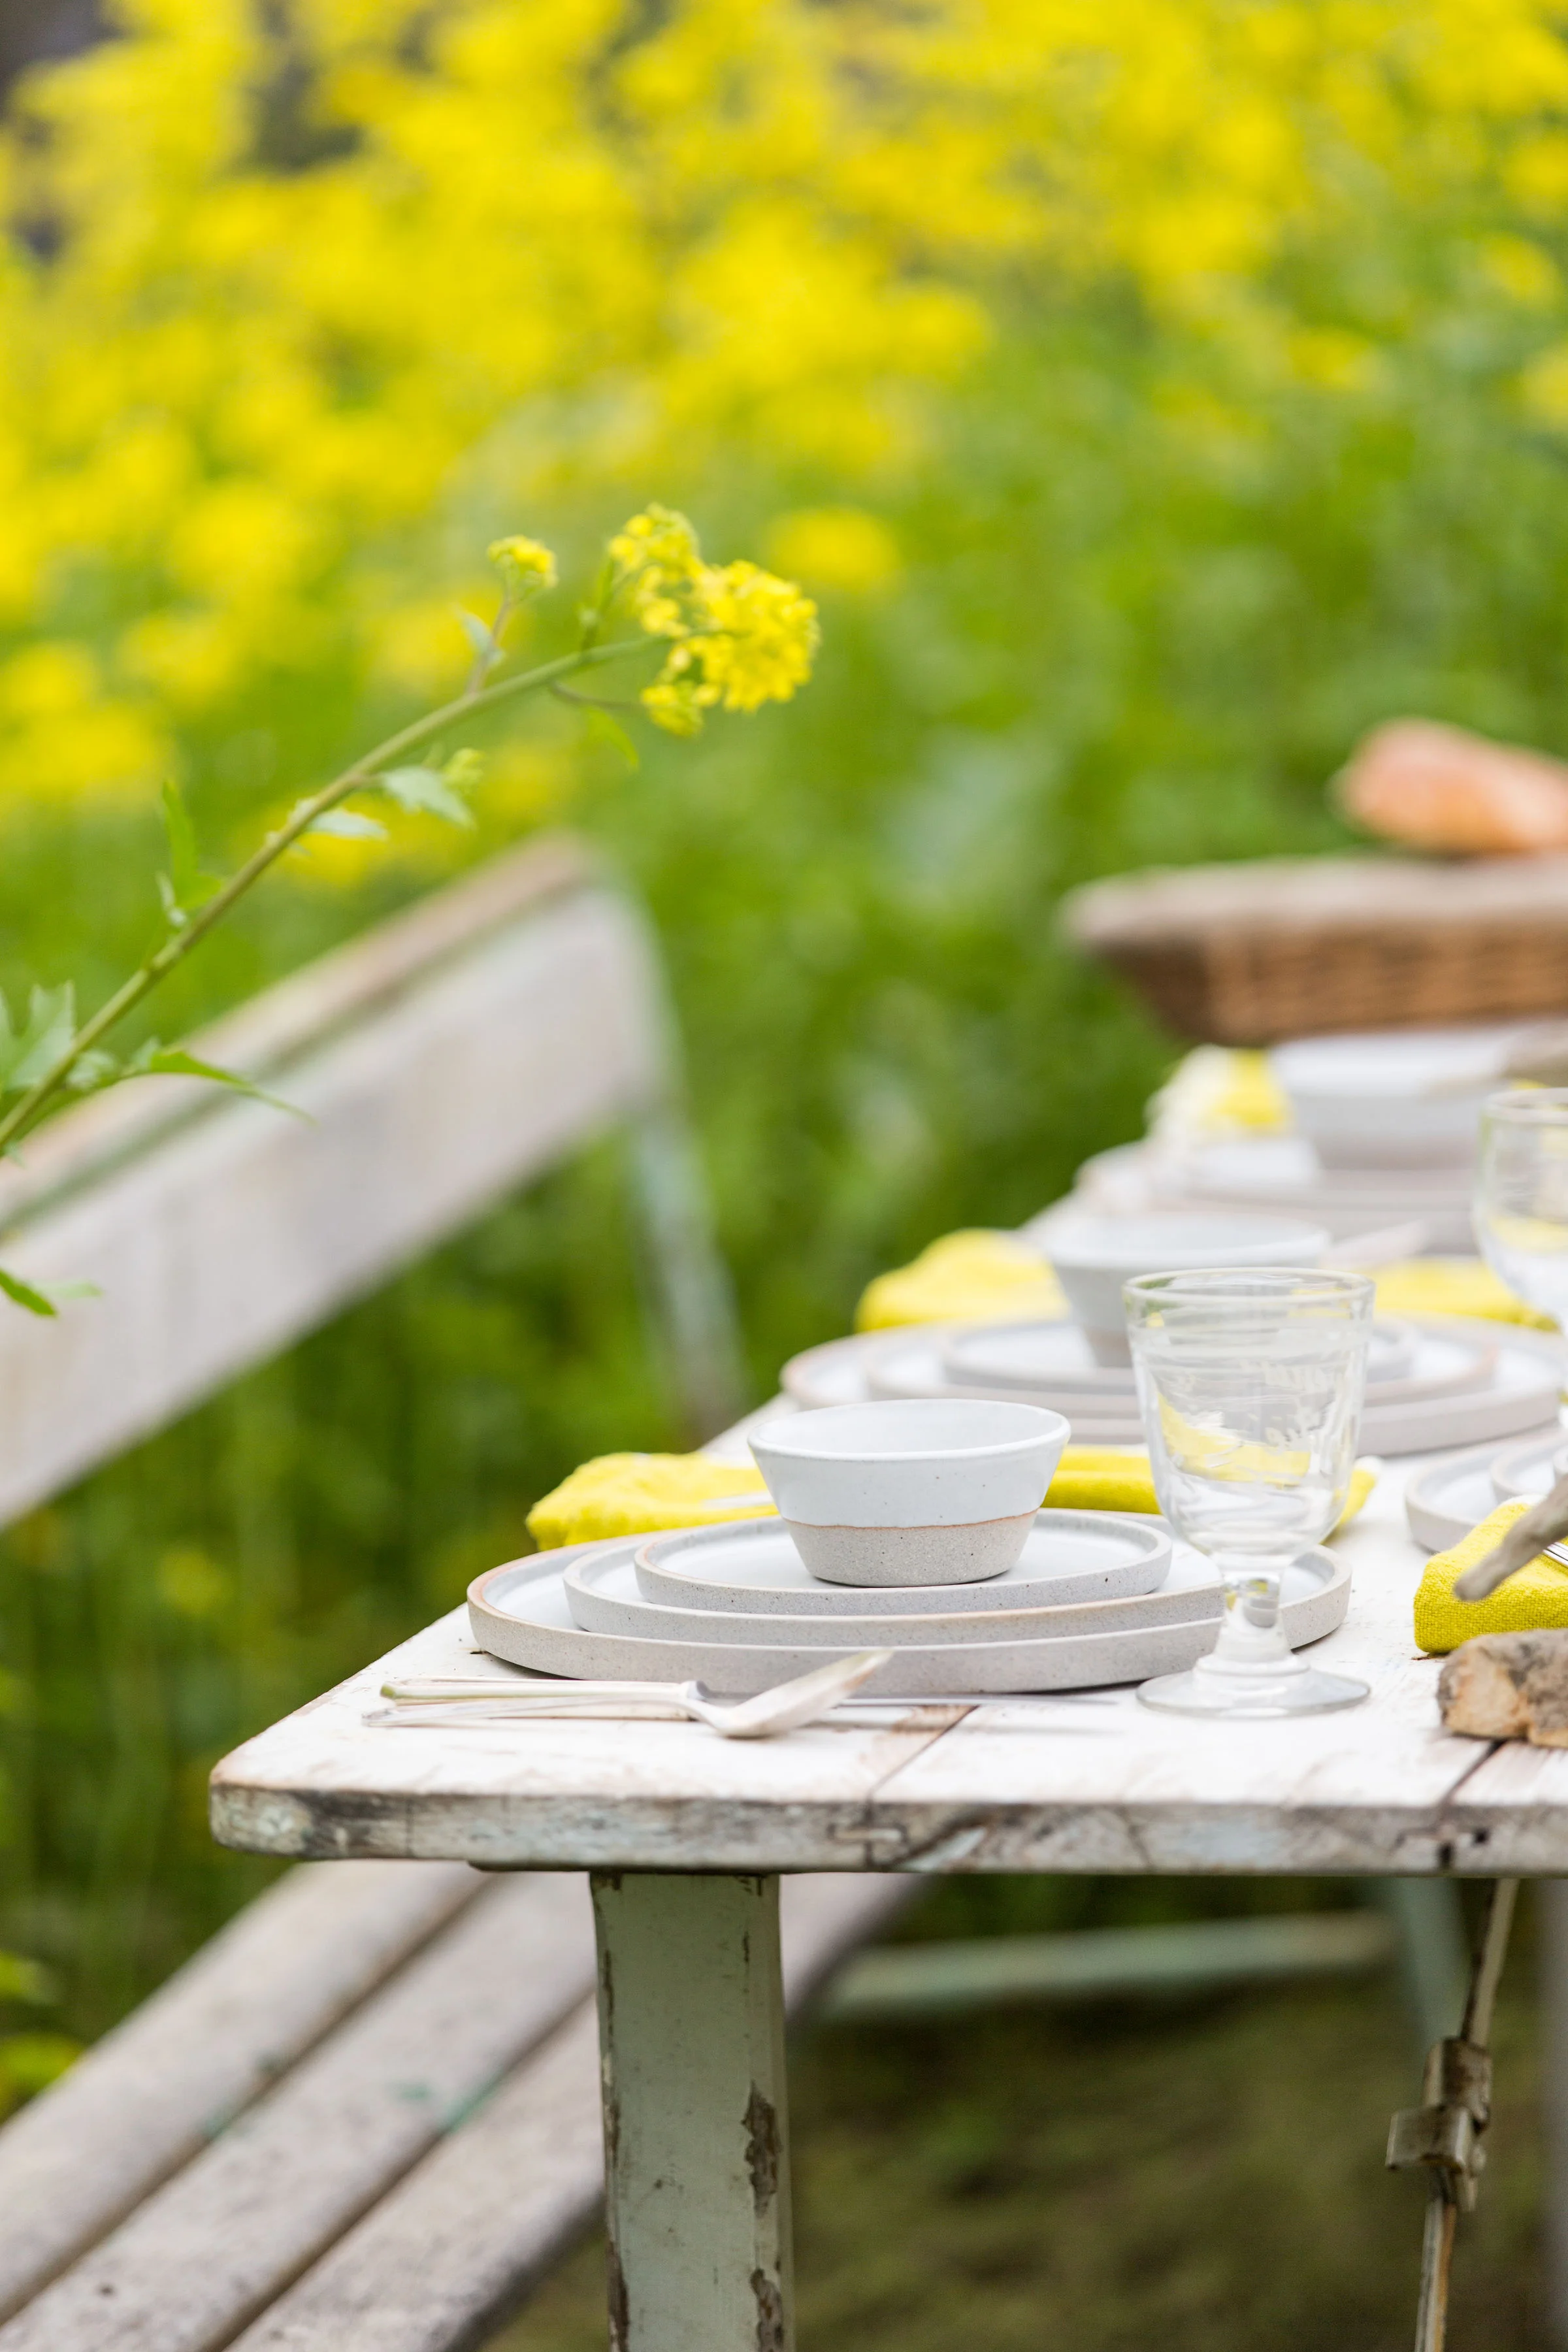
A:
978, 1276
1452, 1286
1536, 1598
634, 1493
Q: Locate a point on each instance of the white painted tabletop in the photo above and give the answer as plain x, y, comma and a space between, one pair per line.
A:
1088, 1782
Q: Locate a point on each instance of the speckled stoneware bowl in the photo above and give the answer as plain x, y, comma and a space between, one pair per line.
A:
915, 1492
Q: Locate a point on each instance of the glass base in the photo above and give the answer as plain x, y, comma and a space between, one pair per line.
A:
1295, 1689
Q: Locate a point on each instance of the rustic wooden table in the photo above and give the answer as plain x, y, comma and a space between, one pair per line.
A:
686, 1834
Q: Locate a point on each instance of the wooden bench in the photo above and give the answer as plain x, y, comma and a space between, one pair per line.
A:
263, 2105
351, 2120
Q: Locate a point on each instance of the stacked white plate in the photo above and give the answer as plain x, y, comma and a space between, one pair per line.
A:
1283, 1174
1095, 1597
1441, 1381
1445, 1502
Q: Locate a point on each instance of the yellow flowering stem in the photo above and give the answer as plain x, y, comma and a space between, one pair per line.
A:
25, 1113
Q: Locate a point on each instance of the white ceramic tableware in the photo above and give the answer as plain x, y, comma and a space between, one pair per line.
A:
1094, 1255
787, 1706
519, 1613
1393, 1099
604, 1596
756, 1570
910, 1493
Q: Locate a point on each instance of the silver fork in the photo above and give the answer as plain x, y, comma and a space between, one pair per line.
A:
441, 1701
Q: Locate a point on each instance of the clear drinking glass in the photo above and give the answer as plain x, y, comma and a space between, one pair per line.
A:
1521, 1210
1250, 1383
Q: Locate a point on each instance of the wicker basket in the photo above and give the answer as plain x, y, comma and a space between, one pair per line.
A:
1245, 954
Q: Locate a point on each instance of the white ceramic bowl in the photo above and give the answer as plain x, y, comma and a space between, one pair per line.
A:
1393, 1099
1094, 1255
917, 1493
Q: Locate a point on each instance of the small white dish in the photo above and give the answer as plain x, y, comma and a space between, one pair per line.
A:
1393, 1099
605, 1596
1093, 1256
921, 1492
755, 1569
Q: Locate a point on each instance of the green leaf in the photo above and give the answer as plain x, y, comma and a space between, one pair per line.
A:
603, 729
155, 1061
348, 824
93, 1072
22, 1294
183, 857
186, 888
51, 1026
479, 636
426, 788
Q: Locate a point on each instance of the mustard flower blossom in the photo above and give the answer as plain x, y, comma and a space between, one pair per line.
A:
524, 564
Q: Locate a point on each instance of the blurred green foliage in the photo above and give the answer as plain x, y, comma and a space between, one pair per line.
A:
1145, 604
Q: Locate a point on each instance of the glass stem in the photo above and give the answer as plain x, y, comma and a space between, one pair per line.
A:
1251, 1633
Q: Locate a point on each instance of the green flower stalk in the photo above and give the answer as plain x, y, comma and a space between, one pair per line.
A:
732, 636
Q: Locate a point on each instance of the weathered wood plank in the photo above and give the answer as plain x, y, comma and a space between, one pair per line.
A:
262, 1037
324, 1783
698, 2224
244, 1228
215, 2036
224, 2237
448, 2256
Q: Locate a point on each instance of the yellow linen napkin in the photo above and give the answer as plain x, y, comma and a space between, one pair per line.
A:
634, 1493
1452, 1286
978, 1276
1536, 1598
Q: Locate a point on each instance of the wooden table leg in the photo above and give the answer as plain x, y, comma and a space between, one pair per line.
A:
1552, 1922
696, 2119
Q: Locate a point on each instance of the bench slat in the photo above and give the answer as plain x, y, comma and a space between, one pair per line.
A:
216, 2035
444, 2260
221, 2240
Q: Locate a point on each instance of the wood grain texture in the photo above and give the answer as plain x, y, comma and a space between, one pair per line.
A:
223, 2238
240, 1230
214, 2038
450, 2252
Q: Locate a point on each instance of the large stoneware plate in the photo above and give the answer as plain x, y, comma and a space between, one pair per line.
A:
1443, 1502
605, 1597
520, 1614
1467, 1382
755, 1569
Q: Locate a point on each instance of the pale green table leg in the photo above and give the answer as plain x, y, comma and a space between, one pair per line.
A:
696, 2120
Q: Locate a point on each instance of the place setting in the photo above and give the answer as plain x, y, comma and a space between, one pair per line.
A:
913, 1549
1431, 1382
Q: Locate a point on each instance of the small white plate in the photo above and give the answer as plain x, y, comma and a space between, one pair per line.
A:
604, 1597
519, 1612
1444, 1501
1056, 1355
753, 1569
1471, 1379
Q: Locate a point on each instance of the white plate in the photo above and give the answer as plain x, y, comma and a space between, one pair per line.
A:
1473, 1380
1056, 1355
1444, 1501
752, 1569
604, 1597
520, 1613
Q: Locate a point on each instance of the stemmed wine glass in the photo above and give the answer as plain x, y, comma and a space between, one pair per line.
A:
1251, 1384
1521, 1207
